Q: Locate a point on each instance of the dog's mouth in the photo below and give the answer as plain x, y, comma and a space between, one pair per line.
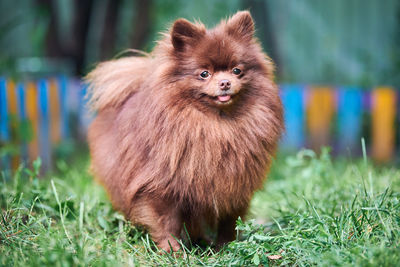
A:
224, 99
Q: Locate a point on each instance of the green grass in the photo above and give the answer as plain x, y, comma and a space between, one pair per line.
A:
313, 211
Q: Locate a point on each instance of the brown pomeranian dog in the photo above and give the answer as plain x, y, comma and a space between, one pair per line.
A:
185, 135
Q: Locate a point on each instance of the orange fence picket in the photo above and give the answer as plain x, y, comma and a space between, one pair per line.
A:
12, 97
55, 117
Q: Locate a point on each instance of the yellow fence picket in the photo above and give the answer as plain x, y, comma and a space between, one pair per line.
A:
383, 120
320, 111
12, 111
33, 116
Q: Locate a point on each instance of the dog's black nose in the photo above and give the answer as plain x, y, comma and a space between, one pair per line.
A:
224, 84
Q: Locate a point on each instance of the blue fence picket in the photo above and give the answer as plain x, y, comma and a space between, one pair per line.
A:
293, 102
21, 98
85, 116
4, 129
350, 102
44, 137
21, 101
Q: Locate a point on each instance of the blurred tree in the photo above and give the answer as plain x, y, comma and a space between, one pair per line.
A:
73, 47
47, 8
396, 53
260, 11
141, 24
107, 43
82, 14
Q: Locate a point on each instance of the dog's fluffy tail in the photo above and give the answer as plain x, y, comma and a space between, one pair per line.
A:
111, 82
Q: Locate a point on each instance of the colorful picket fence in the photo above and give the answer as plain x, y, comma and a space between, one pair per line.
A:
36, 116
339, 117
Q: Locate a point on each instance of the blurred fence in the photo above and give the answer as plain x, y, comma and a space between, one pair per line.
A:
37, 116
339, 117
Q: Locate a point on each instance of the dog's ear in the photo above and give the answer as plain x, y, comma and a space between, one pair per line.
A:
241, 25
185, 33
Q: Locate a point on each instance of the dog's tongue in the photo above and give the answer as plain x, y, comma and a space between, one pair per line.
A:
224, 98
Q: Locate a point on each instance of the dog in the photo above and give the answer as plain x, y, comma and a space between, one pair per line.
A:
185, 135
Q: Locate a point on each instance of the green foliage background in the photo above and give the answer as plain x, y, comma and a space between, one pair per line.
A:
337, 42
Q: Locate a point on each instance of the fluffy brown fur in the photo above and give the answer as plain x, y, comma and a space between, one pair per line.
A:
173, 147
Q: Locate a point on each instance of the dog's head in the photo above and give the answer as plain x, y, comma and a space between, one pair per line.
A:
215, 67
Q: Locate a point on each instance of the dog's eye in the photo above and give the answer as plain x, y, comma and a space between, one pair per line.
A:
205, 74
236, 71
